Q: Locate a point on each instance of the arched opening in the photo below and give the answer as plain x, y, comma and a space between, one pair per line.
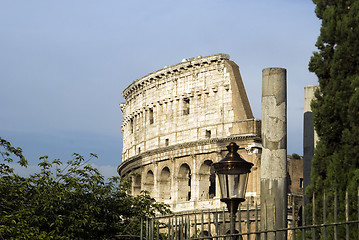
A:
205, 233
165, 184
136, 183
207, 181
184, 183
149, 182
212, 185
300, 217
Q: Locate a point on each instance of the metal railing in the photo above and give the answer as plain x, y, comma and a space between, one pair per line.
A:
303, 223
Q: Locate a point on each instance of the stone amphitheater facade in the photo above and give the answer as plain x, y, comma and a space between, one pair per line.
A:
177, 121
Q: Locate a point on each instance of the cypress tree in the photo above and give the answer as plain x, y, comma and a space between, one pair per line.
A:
335, 165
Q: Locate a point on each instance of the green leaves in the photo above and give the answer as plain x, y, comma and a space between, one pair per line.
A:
68, 202
336, 108
10, 150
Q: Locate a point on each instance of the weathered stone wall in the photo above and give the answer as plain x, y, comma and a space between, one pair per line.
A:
170, 181
197, 99
178, 121
295, 174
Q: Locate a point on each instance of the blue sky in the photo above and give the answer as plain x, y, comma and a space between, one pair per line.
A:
64, 64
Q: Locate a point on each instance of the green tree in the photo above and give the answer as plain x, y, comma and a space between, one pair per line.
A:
71, 202
335, 163
295, 156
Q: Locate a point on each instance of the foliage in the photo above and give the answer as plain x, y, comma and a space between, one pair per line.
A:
71, 202
336, 109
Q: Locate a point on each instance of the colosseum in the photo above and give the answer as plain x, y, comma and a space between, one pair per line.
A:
177, 121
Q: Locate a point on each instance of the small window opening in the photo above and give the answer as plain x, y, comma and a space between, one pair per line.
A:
139, 150
131, 125
301, 182
151, 115
167, 141
186, 106
208, 133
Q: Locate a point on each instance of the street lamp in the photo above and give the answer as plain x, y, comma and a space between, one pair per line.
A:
233, 172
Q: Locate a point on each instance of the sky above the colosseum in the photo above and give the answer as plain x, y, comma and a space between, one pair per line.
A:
64, 64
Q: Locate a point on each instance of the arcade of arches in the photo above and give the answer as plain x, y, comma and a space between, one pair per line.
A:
185, 182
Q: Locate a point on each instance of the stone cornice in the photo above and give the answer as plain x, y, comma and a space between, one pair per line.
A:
185, 64
184, 145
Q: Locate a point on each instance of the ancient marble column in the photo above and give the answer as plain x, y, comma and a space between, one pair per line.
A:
309, 135
274, 152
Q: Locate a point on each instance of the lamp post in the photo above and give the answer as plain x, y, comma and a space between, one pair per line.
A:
233, 172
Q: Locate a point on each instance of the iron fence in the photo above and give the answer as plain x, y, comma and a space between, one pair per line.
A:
215, 223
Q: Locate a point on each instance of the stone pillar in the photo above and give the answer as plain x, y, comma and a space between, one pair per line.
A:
156, 187
274, 153
309, 135
174, 190
194, 179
